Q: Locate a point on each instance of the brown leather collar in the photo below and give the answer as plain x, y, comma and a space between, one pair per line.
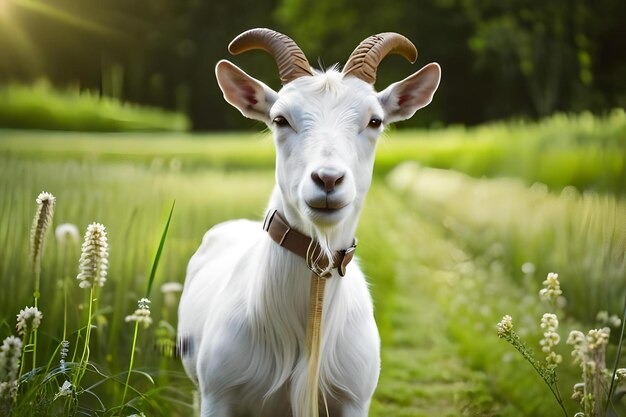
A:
309, 249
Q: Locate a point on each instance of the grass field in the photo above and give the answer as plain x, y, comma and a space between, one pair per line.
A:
447, 253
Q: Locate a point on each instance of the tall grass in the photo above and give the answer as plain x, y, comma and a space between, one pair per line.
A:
39, 106
584, 151
582, 236
133, 214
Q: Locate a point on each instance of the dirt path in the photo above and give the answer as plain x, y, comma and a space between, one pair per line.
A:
422, 373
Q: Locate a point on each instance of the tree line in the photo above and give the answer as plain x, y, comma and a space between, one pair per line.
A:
500, 59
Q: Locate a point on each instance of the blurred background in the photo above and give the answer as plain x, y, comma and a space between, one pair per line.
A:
517, 169
501, 59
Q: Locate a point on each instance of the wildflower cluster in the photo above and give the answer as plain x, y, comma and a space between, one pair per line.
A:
506, 332
142, 314
26, 391
551, 290
589, 352
94, 257
550, 324
10, 354
28, 318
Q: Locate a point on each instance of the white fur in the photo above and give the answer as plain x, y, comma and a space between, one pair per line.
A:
244, 307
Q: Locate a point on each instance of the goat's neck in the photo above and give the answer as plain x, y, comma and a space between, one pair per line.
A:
283, 279
279, 295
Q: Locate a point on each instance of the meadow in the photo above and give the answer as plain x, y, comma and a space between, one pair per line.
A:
450, 244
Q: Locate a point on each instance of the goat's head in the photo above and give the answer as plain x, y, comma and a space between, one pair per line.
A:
325, 124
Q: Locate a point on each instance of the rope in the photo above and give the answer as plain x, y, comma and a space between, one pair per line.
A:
314, 332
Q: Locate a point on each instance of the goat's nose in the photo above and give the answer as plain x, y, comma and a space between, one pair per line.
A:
327, 178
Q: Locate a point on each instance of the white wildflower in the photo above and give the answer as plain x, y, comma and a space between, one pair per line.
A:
8, 389
551, 290
604, 319
142, 314
579, 391
10, 355
598, 338
171, 287
579, 342
66, 233
551, 338
41, 223
65, 389
169, 290
65, 349
614, 321
94, 257
620, 376
528, 268
505, 326
28, 319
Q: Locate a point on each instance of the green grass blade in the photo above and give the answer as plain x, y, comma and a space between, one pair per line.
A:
617, 356
157, 257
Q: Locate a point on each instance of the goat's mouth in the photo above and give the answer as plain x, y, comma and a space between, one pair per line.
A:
326, 210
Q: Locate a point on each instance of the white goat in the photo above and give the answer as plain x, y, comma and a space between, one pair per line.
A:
243, 312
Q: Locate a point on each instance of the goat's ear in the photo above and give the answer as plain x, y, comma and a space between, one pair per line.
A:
250, 96
401, 100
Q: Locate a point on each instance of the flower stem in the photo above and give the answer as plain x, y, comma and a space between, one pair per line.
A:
517, 343
82, 366
130, 365
609, 400
23, 355
36, 296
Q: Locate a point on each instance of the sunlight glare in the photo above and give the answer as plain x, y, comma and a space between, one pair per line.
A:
4, 8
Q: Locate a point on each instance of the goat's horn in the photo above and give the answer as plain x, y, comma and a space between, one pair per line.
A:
292, 62
365, 59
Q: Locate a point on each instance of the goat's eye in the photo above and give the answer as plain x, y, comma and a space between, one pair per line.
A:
374, 123
280, 121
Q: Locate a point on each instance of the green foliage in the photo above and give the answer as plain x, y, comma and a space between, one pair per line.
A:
41, 107
519, 58
584, 151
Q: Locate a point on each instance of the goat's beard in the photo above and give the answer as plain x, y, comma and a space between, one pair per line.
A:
324, 243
